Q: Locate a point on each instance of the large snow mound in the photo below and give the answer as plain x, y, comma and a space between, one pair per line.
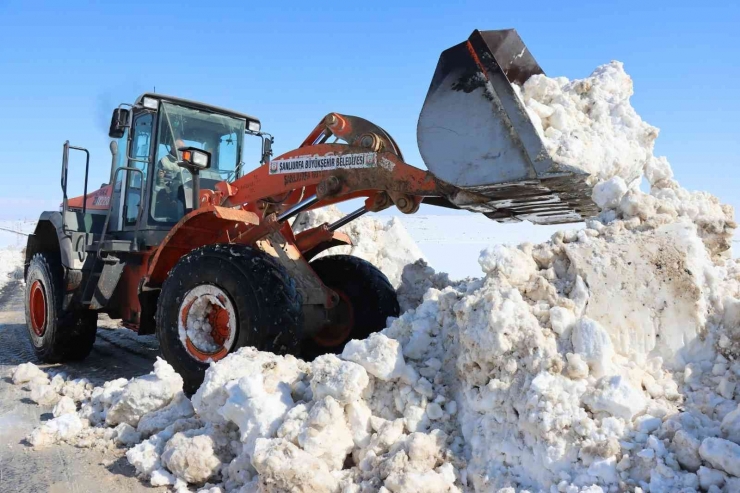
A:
385, 244
605, 359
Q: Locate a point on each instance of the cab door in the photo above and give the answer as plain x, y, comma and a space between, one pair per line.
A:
139, 152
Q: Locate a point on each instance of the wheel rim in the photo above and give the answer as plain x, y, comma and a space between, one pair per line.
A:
336, 333
37, 304
207, 323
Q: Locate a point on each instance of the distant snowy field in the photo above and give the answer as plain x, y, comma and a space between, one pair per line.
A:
451, 243
11, 245
13, 240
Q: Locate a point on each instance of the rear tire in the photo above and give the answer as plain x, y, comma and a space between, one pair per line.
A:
263, 297
56, 335
365, 288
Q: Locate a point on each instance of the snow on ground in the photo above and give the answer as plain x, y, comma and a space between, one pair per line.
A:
11, 245
9, 230
11, 265
604, 359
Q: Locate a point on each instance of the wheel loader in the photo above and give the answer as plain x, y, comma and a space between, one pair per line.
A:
187, 242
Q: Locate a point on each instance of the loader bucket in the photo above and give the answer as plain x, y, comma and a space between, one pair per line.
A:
475, 134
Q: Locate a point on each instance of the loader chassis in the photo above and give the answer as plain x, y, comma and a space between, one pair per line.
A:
205, 255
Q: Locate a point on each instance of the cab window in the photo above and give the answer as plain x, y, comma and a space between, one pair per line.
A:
141, 140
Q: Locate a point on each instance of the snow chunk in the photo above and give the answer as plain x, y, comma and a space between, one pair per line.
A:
561, 319
43, 394
380, 356
156, 421
65, 406
145, 394
65, 427
161, 477
325, 434
721, 454
127, 435
275, 370
342, 380
686, 448
78, 389
731, 425
26, 372
615, 396
709, 477
255, 408
191, 458
146, 456
592, 342
511, 263
608, 194
283, 466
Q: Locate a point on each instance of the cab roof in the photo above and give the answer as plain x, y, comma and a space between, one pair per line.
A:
197, 105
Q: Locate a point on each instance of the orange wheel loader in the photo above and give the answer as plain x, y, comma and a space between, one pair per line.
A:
185, 241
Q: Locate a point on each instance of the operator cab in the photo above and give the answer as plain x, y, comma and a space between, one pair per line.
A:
153, 183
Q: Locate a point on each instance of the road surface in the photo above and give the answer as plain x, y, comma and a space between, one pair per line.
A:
62, 468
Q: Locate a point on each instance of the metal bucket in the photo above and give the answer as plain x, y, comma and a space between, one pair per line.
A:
475, 134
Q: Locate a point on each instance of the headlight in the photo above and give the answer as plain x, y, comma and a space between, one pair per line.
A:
195, 158
253, 126
200, 159
150, 103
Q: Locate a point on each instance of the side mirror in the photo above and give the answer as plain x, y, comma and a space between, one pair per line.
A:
266, 148
194, 159
119, 122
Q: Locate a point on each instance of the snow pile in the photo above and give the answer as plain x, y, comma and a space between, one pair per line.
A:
589, 124
13, 237
387, 245
150, 402
603, 360
11, 265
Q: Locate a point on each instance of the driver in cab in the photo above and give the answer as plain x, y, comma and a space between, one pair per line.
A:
167, 200
168, 164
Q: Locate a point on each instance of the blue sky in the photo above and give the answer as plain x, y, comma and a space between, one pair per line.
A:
65, 65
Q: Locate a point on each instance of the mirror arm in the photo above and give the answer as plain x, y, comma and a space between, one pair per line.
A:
267, 141
196, 187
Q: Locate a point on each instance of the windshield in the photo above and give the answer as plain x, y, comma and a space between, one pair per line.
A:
180, 126
218, 134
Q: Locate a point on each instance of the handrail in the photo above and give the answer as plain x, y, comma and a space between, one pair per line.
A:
65, 166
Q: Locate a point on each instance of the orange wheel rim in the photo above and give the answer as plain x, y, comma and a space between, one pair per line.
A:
332, 335
221, 319
37, 304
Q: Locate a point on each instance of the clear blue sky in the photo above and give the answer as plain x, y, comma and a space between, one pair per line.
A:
65, 65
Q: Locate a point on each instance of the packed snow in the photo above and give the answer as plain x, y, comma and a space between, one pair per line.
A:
11, 265
13, 235
605, 359
385, 244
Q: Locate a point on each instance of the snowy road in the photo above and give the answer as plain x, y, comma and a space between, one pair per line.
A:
63, 468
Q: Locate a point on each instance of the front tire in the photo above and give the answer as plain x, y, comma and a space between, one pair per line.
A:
56, 335
219, 298
367, 299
